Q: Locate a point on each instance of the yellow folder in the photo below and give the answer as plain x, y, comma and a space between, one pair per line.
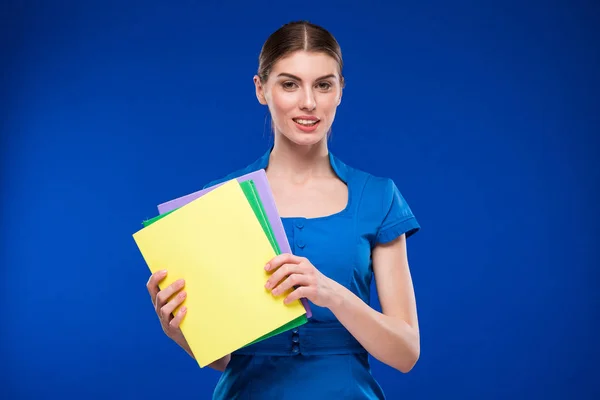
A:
218, 246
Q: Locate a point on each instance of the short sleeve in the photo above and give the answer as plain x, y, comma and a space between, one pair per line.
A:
398, 217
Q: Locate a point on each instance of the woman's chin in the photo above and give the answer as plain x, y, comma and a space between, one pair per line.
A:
305, 139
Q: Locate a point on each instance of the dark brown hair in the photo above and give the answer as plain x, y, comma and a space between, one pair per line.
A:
294, 36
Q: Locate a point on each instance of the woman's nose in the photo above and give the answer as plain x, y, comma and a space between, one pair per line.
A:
308, 101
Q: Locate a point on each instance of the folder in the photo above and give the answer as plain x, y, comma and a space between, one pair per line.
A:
249, 189
259, 177
251, 193
217, 244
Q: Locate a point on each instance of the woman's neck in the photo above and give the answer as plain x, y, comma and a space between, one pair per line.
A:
298, 163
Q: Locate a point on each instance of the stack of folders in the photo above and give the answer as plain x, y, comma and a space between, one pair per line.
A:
219, 240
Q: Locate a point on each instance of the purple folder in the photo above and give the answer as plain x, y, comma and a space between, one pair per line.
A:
266, 196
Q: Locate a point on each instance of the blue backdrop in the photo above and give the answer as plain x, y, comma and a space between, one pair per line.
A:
486, 118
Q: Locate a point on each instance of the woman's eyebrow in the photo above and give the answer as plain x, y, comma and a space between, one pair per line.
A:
298, 79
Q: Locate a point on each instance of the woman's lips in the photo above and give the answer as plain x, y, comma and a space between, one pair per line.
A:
306, 124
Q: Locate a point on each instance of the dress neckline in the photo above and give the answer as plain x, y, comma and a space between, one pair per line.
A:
340, 169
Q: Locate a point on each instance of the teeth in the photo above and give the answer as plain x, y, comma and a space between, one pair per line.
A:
305, 122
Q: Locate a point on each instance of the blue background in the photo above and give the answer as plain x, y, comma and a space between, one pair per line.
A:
485, 116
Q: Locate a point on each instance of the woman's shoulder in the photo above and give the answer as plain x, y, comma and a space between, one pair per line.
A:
224, 178
232, 175
255, 165
373, 186
371, 183
380, 200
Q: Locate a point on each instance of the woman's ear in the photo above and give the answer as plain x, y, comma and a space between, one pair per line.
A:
260, 92
342, 87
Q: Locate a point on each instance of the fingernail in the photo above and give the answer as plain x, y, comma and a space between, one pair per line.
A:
183, 309
267, 267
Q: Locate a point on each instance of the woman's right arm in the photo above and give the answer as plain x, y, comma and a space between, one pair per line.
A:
170, 323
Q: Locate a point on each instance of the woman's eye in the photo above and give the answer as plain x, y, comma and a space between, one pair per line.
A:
288, 85
324, 85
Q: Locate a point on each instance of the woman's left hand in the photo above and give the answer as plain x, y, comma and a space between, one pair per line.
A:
290, 271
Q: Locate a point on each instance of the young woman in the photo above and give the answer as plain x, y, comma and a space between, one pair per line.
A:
345, 227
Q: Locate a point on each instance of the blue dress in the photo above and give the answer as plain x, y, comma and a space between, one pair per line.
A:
321, 359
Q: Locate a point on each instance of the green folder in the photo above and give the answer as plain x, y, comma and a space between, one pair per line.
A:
249, 189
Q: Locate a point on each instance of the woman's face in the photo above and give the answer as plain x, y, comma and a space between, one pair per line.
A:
302, 92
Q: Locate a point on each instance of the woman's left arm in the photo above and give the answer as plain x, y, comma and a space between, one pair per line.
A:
391, 336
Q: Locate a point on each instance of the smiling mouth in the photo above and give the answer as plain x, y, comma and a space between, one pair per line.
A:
306, 122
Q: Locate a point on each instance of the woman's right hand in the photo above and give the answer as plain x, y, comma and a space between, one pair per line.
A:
165, 302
